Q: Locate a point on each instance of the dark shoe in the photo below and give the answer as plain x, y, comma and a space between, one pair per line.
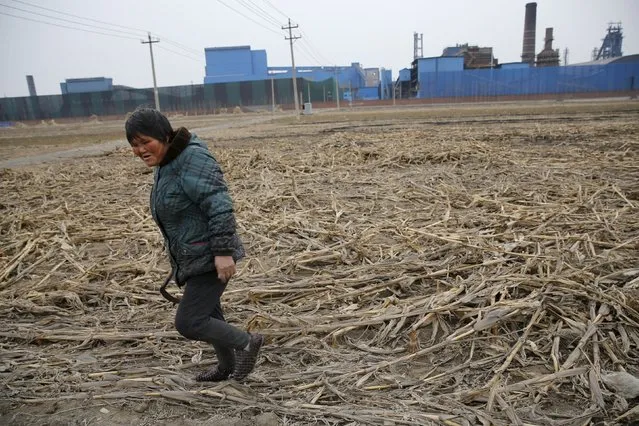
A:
245, 360
214, 375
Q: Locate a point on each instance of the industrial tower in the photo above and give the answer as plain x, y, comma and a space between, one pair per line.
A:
611, 47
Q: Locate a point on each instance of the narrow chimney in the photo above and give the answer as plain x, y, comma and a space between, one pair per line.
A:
548, 39
31, 86
530, 24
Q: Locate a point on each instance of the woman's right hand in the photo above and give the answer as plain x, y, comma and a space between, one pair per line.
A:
225, 266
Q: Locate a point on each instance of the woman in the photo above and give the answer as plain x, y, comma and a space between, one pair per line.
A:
192, 207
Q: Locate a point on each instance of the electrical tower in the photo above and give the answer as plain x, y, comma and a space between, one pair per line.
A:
292, 38
155, 84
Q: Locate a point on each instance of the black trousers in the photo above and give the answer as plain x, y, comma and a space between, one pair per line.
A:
200, 317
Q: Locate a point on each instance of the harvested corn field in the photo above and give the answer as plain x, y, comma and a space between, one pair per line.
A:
462, 266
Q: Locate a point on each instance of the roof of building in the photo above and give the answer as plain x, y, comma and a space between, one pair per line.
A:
86, 80
618, 60
439, 57
228, 48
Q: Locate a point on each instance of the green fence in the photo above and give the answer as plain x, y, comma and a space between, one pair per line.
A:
198, 98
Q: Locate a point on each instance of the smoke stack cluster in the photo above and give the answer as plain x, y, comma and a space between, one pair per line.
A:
530, 26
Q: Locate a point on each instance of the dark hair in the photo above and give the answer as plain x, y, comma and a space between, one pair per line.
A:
148, 122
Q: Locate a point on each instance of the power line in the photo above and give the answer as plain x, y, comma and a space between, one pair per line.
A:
66, 20
319, 54
279, 11
175, 43
249, 18
312, 50
180, 46
77, 16
306, 56
94, 32
65, 26
255, 11
181, 54
271, 17
304, 50
311, 53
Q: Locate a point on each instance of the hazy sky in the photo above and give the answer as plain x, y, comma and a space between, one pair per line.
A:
375, 34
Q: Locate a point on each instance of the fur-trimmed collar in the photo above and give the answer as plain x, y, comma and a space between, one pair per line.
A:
178, 143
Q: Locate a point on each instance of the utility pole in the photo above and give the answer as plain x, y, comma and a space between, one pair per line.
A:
336, 88
272, 95
290, 38
350, 92
566, 56
155, 84
394, 87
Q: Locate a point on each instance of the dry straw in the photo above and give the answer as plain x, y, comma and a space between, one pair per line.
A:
414, 271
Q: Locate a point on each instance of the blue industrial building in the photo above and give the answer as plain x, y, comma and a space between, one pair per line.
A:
445, 77
386, 84
234, 64
404, 74
85, 85
240, 63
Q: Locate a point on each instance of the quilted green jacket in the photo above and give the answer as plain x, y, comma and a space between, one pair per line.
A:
190, 203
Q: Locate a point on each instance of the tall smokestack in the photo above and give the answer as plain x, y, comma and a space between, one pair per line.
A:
31, 85
530, 24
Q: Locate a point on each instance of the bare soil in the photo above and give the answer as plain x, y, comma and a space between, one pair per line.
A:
435, 265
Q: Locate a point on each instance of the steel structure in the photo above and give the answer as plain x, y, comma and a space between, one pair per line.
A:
611, 46
418, 45
474, 56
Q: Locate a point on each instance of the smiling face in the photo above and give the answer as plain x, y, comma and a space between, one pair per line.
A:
149, 149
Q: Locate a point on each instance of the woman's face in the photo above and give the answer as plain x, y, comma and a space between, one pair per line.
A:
149, 149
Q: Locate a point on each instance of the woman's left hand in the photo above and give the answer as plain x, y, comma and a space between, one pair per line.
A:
225, 266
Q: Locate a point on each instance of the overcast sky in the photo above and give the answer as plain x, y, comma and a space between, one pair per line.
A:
375, 34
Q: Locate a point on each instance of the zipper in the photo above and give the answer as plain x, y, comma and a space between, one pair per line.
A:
157, 220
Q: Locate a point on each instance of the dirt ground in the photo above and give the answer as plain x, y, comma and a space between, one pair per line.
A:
449, 265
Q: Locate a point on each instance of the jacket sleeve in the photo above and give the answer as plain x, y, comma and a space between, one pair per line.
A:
203, 182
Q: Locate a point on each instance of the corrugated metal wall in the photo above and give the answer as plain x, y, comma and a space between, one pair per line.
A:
529, 81
201, 99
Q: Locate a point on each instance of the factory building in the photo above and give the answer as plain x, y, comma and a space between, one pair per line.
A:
234, 64
84, 85
446, 78
475, 57
465, 71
